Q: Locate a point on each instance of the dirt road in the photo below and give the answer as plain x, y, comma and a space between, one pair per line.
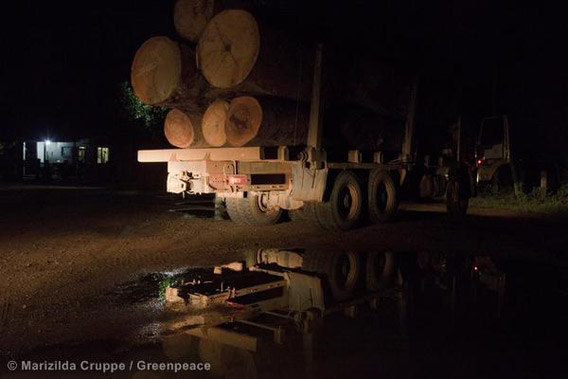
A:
63, 251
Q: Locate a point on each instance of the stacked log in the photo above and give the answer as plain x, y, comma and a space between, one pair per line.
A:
350, 127
264, 121
191, 17
246, 84
183, 129
213, 124
164, 73
238, 56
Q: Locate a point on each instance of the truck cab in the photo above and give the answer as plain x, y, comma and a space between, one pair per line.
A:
493, 151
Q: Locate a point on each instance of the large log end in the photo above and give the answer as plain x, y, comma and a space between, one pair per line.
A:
156, 70
191, 17
213, 124
243, 120
179, 129
228, 48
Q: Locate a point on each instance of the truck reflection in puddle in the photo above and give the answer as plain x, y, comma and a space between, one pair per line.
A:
335, 313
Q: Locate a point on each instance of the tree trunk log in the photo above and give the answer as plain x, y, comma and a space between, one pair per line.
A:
164, 73
266, 122
213, 124
183, 130
191, 17
234, 54
351, 127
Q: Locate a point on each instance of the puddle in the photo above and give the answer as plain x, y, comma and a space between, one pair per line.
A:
438, 314
152, 286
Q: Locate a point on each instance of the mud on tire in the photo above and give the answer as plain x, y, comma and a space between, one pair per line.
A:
382, 196
251, 211
340, 268
344, 208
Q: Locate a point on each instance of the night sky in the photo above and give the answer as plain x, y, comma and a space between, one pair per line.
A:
63, 61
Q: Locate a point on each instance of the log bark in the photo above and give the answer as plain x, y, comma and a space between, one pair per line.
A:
213, 123
164, 73
378, 87
366, 83
355, 127
183, 130
191, 17
266, 122
238, 55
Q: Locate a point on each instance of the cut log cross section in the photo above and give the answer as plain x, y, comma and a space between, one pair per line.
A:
228, 48
191, 17
182, 130
243, 120
213, 124
156, 70
164, 73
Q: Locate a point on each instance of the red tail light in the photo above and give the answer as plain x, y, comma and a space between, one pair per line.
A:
237, 180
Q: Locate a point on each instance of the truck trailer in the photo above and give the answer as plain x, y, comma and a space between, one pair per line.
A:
258, 184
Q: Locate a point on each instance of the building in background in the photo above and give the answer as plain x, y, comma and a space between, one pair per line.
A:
84, 159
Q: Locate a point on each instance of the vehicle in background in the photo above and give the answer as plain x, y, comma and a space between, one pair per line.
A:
493, 153
513, 158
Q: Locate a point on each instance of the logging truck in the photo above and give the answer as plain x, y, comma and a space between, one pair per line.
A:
258, 184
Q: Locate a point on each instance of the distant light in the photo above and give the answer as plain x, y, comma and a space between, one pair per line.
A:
47, 142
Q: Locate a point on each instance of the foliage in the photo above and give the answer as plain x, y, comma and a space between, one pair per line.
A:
137, 114
166, 282
535, 201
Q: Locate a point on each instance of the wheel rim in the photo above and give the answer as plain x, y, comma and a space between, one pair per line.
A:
345, 272
378, 265
382, 197
348, 202
262, 203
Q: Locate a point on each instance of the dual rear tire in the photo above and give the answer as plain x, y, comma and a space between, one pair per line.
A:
345, 207
343, 210
252, 210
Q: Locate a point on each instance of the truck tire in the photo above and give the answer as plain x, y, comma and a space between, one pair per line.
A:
380, 271
382, 197
502, 180
344, 208
340, 268
251, 211
457, 199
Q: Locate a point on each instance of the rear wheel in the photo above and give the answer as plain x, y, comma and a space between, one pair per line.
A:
502, 180
341, 268
380, 270
344, 208
252, 210
382, 199
457, 199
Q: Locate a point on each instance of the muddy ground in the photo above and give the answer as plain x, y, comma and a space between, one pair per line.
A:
70, 257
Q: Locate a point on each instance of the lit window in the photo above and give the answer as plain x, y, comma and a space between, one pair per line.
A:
82, 154
102, 154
